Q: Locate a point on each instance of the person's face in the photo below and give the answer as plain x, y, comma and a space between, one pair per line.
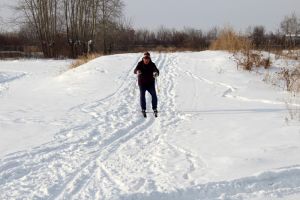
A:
146, 60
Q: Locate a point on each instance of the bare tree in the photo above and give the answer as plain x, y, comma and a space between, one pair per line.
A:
290, 26
42, 14
212, 34
164, 36
122, 36
258, 36
195, 39
178, 38
110, 10
80, 23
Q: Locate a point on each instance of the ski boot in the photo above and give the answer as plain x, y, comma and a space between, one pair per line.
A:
144, 113
155, 112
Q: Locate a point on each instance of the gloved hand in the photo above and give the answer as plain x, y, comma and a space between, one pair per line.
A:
155, 74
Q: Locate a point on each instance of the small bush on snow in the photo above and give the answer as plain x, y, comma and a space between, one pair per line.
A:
84, 59
242, 48
291, 78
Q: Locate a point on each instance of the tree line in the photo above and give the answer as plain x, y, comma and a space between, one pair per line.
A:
75, 24
71, 28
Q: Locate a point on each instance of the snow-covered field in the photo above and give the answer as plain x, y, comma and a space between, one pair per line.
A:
78, 134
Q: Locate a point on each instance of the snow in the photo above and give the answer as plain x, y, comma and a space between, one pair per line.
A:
221, 133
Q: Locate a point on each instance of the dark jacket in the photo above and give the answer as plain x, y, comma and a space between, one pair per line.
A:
146, 78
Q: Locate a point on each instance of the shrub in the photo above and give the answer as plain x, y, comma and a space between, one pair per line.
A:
266, 62
84, 59
249, 59
242, 49
228, 40
291, 78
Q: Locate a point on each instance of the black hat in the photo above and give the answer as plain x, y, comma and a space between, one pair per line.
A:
146, 54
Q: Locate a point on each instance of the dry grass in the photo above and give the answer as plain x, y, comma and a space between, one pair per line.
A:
228, 40
249, 59
162, 49
242, 49
84, 59
291, 77
166, 49
290, 54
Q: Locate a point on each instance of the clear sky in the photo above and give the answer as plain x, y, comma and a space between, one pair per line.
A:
200, 14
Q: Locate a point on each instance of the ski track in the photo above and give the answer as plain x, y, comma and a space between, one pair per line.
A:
83, 162
276, 183
61, 169
7, 77
228, 93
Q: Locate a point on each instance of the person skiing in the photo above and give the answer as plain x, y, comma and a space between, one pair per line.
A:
147, 73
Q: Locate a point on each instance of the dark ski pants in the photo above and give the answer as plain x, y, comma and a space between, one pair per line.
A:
152, 91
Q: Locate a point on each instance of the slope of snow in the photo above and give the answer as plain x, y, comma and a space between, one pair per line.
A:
78, 134
22, 120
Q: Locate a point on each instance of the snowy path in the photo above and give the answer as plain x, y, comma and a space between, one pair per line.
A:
192, 151
73, 163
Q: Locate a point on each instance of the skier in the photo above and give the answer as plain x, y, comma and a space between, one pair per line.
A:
147, 72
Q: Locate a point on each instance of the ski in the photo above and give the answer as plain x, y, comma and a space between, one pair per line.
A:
144, 113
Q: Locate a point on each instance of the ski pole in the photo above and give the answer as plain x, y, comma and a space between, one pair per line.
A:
136, 82
134, 87
156, 80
